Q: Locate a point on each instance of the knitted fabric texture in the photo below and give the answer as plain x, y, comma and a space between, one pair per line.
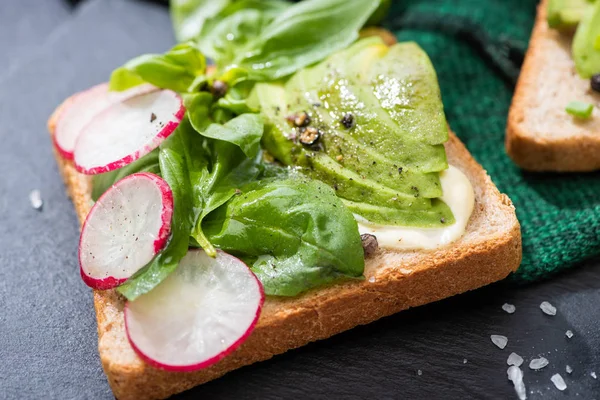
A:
559, 213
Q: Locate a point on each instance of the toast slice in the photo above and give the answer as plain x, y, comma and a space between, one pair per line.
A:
540, 135
489, 250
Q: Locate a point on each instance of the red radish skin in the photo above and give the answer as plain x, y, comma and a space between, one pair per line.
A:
160, 239
82, 108
92, 131
214, 359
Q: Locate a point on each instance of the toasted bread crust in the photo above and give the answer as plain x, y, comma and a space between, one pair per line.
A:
395, 281
540, 135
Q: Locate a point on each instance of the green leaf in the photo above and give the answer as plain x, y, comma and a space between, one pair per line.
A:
198, 106
236, 27
298, 232
181, 158
178, 69
303, 34
245, 131
231, 170
101, 182
188, 16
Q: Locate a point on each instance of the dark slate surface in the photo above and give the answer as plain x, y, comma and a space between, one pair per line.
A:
47, 326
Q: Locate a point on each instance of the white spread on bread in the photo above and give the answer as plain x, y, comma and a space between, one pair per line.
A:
457, 194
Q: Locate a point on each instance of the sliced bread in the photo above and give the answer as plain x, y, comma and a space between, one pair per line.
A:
540, 135
489, 250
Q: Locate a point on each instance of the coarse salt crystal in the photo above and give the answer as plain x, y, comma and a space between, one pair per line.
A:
405, 271
35, 197
568, 369
559, 382
516, 376
548, 308
372, 279
419, 372
465, 361
538, 363
509, 308
593, 374
514, 359
569, 334
499, 340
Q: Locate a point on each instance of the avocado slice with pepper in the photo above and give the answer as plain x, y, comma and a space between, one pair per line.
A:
586, 44
378, 120
565, 15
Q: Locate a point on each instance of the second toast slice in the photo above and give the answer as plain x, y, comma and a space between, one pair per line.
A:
540, 135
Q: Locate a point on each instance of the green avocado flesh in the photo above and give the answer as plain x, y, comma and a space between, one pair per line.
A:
386, 162
586, 43
565, 15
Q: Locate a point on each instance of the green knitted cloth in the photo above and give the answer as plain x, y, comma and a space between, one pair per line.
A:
559, 213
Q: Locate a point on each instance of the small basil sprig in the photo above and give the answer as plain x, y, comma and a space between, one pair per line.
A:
229, 171
275, 40
236, 26
188, 16
297, 233
180, 69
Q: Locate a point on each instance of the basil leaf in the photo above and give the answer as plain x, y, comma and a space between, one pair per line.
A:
298, 232
245, 131
236, 26
188, 16
180, 157
198, 106
230, 171
303, 34
101, 182
178, 70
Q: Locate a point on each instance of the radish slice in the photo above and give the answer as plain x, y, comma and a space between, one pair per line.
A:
127, 131
125, 229
202, 312
82, 108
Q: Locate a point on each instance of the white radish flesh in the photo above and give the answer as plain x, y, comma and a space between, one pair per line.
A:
199, 314
82, 108
127, 130
126, 228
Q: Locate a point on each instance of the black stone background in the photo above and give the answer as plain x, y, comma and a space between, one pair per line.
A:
51, 48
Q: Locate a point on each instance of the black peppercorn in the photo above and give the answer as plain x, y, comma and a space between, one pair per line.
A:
309, 136
218, 89
348, 120
595, 83
369, 244
300, 119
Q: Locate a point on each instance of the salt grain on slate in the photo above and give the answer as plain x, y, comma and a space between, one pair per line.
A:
559, 382
465, 361
548, 308
516, 376
593, 374
499, 340
35, 197
538, 363
514, 359
568, 369
419, 372
509, 308
569, 334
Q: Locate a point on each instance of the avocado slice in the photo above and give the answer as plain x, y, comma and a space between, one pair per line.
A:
586, 44
389, 156
430, 218
565, 15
